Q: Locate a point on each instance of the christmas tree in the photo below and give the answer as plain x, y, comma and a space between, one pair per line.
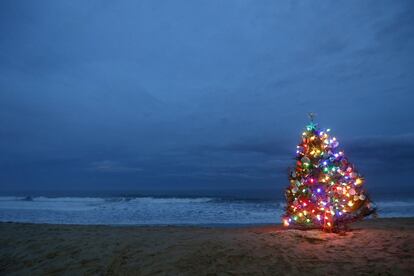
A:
325, 189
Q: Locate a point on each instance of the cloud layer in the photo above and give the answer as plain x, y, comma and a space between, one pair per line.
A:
210, 94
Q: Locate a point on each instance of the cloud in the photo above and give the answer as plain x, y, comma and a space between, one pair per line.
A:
86, 100
397, 147
108, 166
250, 146
250, 159
393, 152
397, 30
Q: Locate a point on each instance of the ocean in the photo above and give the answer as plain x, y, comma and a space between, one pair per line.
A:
162, 209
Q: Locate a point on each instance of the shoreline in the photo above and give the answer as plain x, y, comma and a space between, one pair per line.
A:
374, 246
365, 221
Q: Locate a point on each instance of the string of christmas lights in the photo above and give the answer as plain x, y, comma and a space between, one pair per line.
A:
325, 189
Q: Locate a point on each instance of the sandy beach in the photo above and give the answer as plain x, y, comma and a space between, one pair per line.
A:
374, 247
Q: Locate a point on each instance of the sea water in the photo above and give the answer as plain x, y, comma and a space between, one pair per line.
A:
160, 210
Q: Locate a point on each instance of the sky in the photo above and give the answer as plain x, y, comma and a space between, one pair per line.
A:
137, 95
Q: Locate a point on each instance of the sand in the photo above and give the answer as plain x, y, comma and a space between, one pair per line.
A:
374, 247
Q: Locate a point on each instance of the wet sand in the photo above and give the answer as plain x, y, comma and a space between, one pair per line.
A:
374, 247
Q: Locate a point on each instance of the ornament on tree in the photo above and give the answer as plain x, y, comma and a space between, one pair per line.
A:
325, 190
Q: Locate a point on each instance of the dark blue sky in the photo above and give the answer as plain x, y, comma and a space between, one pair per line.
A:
200, 94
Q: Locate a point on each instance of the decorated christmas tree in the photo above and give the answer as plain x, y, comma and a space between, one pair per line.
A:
325, 189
